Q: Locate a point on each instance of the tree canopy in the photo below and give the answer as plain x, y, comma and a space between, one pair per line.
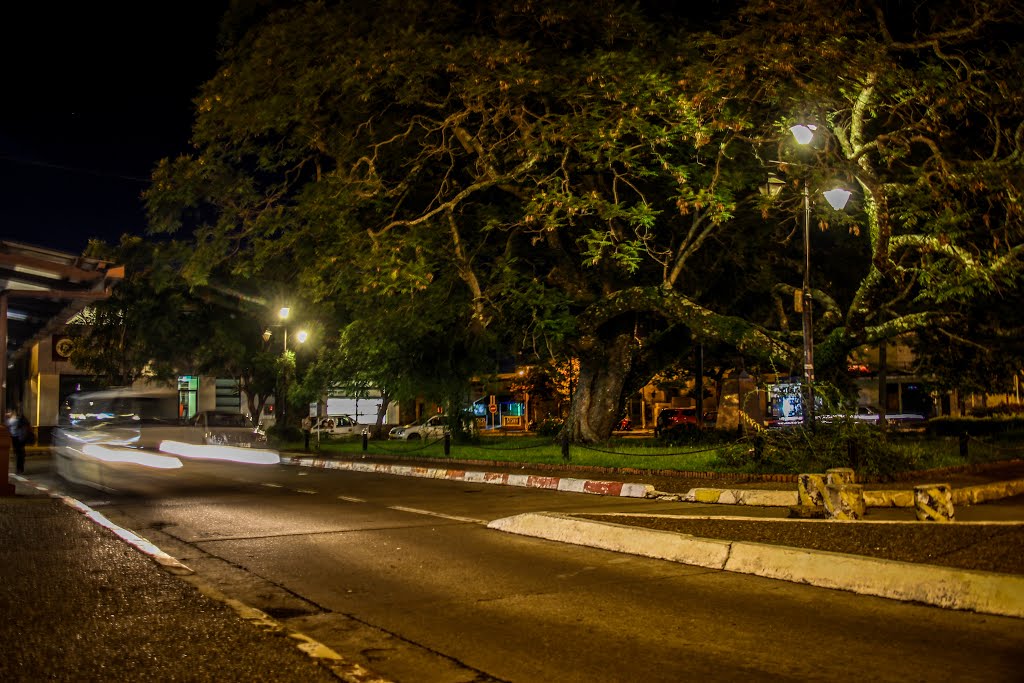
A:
582, 179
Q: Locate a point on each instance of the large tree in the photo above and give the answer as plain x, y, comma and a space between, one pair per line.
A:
917, 110
580, 179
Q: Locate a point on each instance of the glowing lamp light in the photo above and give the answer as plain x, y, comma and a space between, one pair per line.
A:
803, 134
837, 198
283, 313
302, 336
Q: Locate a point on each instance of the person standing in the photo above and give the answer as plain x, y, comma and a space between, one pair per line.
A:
20, 430
307, 427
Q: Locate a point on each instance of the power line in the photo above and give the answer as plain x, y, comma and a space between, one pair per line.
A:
74, 169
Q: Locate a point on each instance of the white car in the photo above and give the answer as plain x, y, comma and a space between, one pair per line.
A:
226, 429
431, 428
871, 416
868, 415
337, 426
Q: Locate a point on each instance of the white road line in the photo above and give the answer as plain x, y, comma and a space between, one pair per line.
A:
273, 486
138, 542
350, 499
437, 514
309, 491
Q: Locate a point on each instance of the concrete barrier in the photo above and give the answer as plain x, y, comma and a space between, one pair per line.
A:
934, 502
845, 501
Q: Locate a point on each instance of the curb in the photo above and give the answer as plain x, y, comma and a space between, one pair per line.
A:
882, 498
567, 484
760, 497
977, 591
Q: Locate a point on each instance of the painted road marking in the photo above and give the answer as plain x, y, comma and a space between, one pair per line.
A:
455, 518
134, 540
309, 491
273, 486
350, 499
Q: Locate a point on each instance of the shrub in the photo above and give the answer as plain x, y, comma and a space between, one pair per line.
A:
284, 434
796, 450
550, 426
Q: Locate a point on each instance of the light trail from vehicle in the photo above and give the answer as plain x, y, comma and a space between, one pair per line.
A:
134, 456
252, 456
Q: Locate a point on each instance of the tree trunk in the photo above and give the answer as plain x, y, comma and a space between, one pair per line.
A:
597, 400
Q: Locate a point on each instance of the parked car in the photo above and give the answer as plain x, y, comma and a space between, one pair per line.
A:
672, 419
430, 428
870, 415
337, 426
226, 429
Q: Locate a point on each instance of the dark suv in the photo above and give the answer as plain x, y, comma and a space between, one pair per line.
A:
673, 419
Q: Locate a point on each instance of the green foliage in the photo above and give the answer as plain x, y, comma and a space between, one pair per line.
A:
796, 450
148, 324
279, 435
550, 426
526, 175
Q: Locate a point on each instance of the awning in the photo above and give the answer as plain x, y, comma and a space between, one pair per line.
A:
42, 289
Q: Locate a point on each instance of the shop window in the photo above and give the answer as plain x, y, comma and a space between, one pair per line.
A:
188, 396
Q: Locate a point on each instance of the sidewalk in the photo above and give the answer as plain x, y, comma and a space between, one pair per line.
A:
80, 604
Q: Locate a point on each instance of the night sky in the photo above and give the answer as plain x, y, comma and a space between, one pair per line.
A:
94, 94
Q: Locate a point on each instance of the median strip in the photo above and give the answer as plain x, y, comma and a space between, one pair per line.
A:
978, 591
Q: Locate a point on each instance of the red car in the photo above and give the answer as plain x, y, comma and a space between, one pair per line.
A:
671, 419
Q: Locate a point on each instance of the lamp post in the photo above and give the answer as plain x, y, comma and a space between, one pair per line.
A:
805, 307
282, 379
837, 199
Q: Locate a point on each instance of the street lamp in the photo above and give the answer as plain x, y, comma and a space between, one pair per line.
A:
301, 336
283, 315
837, 199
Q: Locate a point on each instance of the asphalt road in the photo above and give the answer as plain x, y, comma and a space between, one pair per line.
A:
402, 575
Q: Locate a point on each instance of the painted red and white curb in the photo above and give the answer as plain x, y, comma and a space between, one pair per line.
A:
568, 484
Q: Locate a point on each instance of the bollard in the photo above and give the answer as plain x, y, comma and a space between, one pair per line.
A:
934, 502
811, 489
840, 475
853, 452
366, 441
447, 444
565, 447
845, 501
963, 445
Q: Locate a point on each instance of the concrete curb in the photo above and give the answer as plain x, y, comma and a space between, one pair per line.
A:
969, 495
756, 497
602, 488
760, 497
882, 498
984, 592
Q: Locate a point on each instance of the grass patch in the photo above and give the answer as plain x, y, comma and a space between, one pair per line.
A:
529, 450
783, 452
